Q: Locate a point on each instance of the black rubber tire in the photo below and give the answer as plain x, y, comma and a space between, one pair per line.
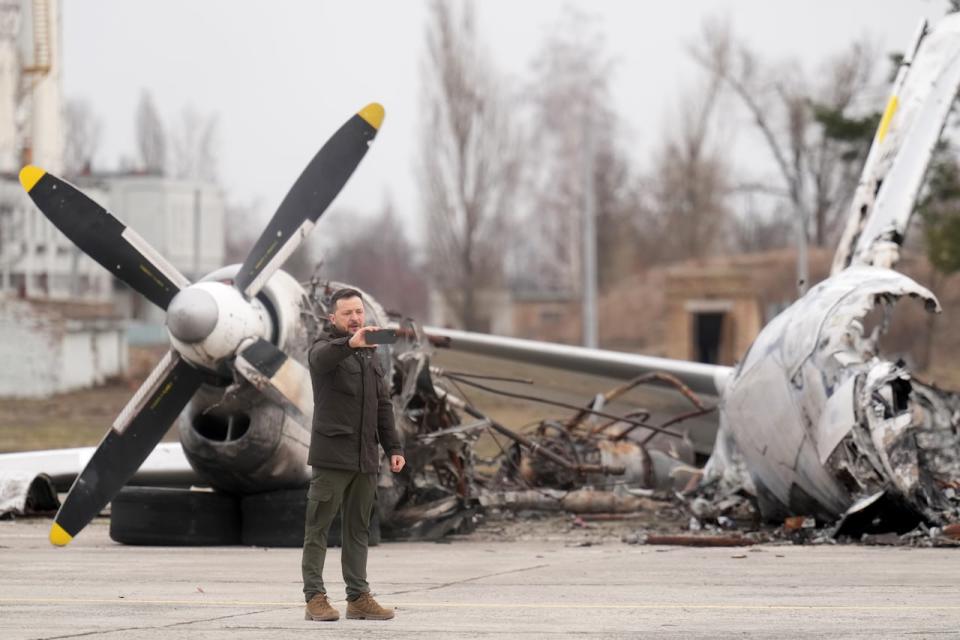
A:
276, 519
157, 516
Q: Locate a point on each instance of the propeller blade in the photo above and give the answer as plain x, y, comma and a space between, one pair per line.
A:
310, 195
279, 377
120, 249
136, 431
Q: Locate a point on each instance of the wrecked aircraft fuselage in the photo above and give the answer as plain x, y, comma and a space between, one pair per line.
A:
840, 423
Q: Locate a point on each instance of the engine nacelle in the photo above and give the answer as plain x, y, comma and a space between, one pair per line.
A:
250, 446
246, 444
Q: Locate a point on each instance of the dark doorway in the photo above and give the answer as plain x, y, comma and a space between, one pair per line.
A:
707, 334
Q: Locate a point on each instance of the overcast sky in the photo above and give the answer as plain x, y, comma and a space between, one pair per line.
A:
281, 76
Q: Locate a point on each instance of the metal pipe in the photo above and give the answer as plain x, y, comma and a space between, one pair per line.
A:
564, 405
699, 541
536, 449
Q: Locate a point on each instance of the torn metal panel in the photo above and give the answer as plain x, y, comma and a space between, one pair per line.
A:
837, 419
922, 96
927, 97
819, 419
881, 154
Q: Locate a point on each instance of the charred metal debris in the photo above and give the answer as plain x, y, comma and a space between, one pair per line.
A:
591, 462
888, 443
851, 441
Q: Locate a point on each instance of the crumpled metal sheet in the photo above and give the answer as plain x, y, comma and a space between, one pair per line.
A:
23, 493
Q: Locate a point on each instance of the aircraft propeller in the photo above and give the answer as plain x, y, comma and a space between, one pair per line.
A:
210, 323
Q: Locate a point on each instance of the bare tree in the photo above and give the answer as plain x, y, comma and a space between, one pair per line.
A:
243, 223
195, 146
809, 127
755, 228
376, 256
83, 129
468, 161
690, 185
151, 137
571, 120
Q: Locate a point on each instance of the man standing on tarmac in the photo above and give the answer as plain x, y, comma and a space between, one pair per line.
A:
352, 413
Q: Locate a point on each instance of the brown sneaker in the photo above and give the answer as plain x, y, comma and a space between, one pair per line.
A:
366, 608
319, 608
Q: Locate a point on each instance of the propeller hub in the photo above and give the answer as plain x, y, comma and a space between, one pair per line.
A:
208, 321
192, 315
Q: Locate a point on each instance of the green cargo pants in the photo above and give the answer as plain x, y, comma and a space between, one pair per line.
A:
330, 488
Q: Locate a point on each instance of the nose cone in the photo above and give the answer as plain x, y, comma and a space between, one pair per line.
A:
192, 315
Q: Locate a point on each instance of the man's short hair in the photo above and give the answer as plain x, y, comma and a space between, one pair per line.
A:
343, 294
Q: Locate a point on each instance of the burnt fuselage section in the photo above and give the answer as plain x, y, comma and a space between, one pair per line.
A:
840, 424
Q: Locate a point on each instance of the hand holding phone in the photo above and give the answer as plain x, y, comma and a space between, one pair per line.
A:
380, 336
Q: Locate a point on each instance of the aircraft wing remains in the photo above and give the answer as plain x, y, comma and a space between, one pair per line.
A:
702, 378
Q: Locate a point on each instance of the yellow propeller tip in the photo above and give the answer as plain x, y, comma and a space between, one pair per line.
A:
373, 114
58, 536
30, 175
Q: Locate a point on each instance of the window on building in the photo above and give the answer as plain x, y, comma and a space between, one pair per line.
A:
18, 282
41, 283
550, 316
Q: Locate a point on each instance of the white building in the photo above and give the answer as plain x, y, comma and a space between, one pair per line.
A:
182, 219
64, 319
52, 347
37, 261
58, 328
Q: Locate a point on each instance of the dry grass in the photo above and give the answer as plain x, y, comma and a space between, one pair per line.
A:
75, 419
943, 376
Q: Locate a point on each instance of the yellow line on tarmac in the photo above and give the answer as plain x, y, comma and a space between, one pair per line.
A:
524, 605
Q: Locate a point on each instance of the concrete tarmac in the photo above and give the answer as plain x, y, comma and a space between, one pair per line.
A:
96, 588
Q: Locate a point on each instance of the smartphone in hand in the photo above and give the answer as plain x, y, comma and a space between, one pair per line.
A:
380, 336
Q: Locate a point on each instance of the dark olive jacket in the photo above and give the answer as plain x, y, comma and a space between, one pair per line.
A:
352, 411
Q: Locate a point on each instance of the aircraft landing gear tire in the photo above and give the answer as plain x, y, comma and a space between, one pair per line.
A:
174, 517
276, 519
